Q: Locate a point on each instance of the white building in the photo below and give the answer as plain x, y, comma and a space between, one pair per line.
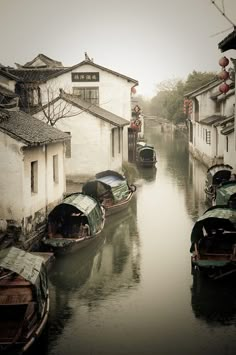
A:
96, 137
211, 111
31, 173
41, 80
229, 43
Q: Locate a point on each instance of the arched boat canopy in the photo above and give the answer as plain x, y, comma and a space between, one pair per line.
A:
216, 217
219, 173
79, 202
107, 181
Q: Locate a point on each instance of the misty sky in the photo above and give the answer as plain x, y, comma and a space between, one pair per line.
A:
148, 40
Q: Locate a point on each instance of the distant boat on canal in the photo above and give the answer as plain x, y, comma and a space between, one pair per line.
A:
111, 189
24, 299
74, 223
216, 175
213, 242
145, 155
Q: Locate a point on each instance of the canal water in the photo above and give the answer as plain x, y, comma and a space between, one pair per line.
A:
131, 291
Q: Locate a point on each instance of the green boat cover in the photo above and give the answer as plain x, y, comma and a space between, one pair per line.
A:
30, 267
224, 193
112, 182
214, 218
83, 203
210, 263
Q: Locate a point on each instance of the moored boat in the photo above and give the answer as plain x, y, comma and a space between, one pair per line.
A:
145, 155
216, 175
74, 223
213, 242
24, 299
111, 189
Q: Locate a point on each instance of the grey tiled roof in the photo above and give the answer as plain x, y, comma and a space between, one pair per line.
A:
48, 62
210, 120
229, 42
28, 129
43, 74
34, 75
95, 110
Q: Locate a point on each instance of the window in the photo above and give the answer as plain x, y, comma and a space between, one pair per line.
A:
208, 137
119, 139
55, 168
217, 106
34, 177
227, 143
113, 141
68, 147
89, 94
34, 96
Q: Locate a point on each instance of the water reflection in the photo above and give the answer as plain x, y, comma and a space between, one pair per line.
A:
214, 302
109, 265
148, 174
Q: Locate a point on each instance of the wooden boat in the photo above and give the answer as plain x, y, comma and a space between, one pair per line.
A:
213, 242
145, 155
24, 299
226, 194
216, 175
111, 189
74, 223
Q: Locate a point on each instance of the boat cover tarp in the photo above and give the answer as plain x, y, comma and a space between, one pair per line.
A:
115, 183
214, 218
225, 192
30, 267
218, 173
83, 203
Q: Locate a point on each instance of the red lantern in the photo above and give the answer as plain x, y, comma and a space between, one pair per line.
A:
223, 61
223, 75
133, 90
224, 88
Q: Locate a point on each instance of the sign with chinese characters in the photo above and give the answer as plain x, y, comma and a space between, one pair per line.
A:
85, 76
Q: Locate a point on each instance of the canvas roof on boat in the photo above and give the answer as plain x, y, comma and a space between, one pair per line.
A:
219, 213
25, 264
83, 202
224, 192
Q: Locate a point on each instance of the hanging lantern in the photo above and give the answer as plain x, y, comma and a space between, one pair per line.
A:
223, 75
133, 90
224, 88
224, 62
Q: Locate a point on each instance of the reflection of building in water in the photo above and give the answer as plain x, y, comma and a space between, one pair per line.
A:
148, 175
117, 268
195, 194
214, 301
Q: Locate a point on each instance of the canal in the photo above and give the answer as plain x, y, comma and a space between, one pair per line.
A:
132, 292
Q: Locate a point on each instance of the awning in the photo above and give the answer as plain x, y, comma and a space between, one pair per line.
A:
210, 120
227, 130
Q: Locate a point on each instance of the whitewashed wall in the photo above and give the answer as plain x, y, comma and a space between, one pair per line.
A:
114, 91
48, 190
91, 149
20, 207
207, 107
11, 179
9, 84
230, 156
